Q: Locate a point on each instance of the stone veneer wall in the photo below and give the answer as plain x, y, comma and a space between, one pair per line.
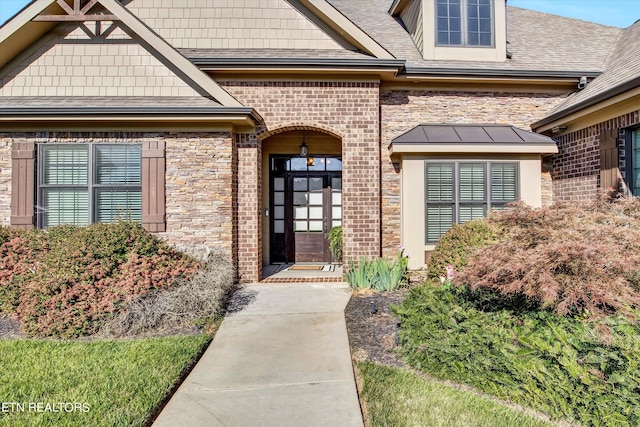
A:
198, 181
576, 168
5, 178
401, 110
349, 110
199, 189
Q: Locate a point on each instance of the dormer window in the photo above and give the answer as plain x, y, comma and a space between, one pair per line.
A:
464, 23
456, 30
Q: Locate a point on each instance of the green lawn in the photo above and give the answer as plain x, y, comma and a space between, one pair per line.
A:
113, 383
396, 397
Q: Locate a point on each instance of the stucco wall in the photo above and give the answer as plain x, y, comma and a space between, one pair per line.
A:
402, 110
413, 197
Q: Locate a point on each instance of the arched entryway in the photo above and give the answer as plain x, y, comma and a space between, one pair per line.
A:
301, 195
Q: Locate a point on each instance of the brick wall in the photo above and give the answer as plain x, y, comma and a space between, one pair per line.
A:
249, 208
576, 168
402, 110
347, 109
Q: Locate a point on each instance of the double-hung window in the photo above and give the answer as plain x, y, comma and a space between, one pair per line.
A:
85, 183
464, 23
457, 192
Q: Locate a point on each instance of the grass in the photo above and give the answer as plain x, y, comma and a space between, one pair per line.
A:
397, 397
122, 382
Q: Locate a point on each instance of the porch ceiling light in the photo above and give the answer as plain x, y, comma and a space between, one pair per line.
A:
304, 150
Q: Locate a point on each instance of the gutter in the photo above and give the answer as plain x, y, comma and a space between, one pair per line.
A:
216, 62
474, 72
118, 111
617, 90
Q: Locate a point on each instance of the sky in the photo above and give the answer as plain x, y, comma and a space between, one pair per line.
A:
618, 13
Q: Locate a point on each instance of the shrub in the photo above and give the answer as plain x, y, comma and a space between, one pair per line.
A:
457, 244
67, 281
19, 252
378, 274
578, 259
559, 365
182, 305
335, 243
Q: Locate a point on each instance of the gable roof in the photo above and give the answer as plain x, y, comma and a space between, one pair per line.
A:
12, 33
621, 74
539, 42
255, 24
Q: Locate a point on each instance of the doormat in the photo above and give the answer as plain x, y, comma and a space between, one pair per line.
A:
306, 267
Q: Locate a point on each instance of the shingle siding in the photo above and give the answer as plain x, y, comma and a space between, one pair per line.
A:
238, 24
73, 65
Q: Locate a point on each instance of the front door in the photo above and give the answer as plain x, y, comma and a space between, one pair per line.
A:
306, 202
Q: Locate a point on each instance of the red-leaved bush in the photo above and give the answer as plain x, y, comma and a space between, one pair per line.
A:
68, 281
573, 258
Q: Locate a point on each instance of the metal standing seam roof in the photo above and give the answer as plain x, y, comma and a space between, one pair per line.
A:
471, 134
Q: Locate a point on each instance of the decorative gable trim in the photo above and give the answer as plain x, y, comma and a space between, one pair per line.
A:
14, 30
169, 53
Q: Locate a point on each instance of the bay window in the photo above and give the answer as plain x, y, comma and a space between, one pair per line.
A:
457, 192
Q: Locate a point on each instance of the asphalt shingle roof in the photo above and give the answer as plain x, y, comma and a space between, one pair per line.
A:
538, 41
622, 66
103, 101
272, 53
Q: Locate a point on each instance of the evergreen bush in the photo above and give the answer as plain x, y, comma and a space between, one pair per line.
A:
335, 243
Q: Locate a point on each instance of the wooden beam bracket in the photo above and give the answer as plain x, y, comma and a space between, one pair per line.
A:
79, 13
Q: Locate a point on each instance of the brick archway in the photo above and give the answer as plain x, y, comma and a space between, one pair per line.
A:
275, 130
282, 238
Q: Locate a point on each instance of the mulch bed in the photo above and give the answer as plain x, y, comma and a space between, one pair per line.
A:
371, 326
9, 327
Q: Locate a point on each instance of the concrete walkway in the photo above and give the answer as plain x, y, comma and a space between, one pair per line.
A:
281, 360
